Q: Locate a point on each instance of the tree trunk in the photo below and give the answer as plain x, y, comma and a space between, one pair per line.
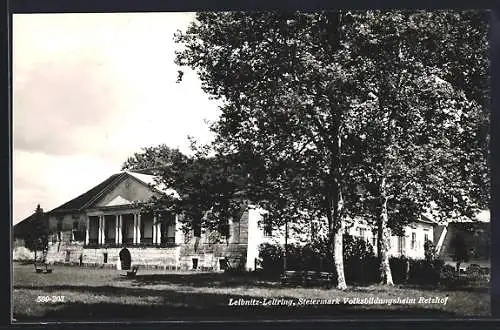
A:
407, 270
336, 231
458, 266
338, 250
384, 239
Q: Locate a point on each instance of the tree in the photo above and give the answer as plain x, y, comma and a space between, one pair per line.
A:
459, 250
297, 86
37, 238
430, 250
211, 189
285, 94
412, 132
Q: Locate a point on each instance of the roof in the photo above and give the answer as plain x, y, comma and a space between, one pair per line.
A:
86, 199
24, 226
438, 231
151, 181
477, 236
80, 202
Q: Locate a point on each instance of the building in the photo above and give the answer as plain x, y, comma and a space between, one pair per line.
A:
410, 245
92, 229
477, 240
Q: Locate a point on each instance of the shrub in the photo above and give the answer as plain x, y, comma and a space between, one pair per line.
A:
360, 263
399, 269
430, 250
425, 271
412, 271
448, 274
271, 258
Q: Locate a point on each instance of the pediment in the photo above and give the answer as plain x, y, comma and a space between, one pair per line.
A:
118, 200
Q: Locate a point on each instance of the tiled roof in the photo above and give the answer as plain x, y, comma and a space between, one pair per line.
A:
88, 197
150, 180
24, 226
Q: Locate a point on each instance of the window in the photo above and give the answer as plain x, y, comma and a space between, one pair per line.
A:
362, 232
224, 228
59, 229
374, 241
197, 229
268, 228
195, 263
426, 237
168, 230
401, 244
223, 264
413, 241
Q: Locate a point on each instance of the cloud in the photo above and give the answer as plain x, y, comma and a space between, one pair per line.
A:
59, 104
89, 90
53, 180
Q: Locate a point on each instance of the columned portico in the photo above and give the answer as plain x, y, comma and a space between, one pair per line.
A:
122, 226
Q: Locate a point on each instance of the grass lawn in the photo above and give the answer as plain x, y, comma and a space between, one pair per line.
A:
95, 294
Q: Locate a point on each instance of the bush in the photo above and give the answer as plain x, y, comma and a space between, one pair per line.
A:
406, 270
360, 263
22, 254
425, 271
399, 269
448, 274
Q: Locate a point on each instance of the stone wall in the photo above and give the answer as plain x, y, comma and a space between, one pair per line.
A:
209, 255
146, 257
205, 250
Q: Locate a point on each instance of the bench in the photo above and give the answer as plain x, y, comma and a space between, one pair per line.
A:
306, 278
39, 268
292, 277
132, 272
315, 278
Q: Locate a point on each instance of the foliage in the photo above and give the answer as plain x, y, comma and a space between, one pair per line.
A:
414, 271
459, 250
321, 101
284, 92
429, 250
360, 261
37, 238
210, 188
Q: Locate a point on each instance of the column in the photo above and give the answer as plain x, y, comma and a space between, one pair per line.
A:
179, 233
154, 231
87, 231
135, 229
117, 228
99, 240
120, 229
138, 228
103, 229
158, 232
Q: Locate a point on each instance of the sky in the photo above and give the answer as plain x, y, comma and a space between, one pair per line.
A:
90, 90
